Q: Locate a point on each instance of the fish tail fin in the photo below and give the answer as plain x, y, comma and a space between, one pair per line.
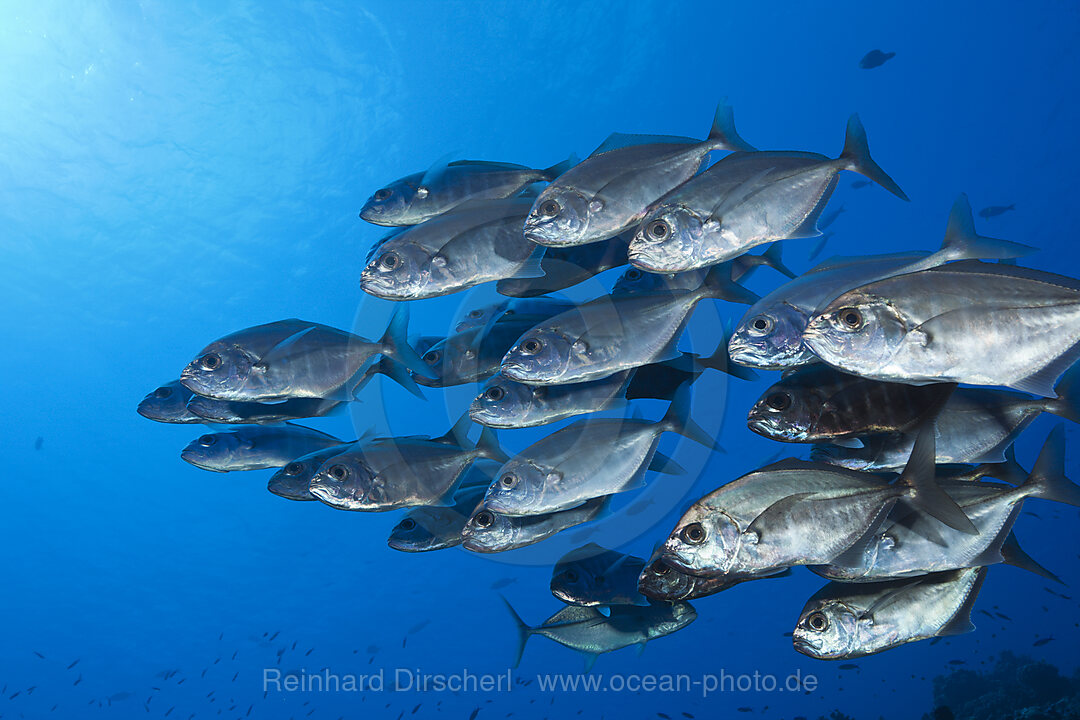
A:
1009, 471
720, 360
1047, 479
677, 419
487, 445
857, 154
723, 133
1014, 555
523, 630
560, 167
398, 373
963, 243
719, 285
1067, 403
771, 257
395, 342
925, 493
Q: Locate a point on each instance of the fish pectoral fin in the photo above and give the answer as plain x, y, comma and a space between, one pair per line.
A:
641, 647
285, 350
775, 516
850, 443
893, 595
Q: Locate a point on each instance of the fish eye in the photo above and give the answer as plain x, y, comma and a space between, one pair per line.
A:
207, 440
210, 361
163, 392
531, 346
475, 313
851, 318
431, 357
817, 621
694, 534
508, 480
390, 260
658, 229
633, 274
494, 393
571, 576
422, 192
659, 567
294, 468
778, 401
484, 519
407, 524
762, 323
338, 472
550, 208
383, 194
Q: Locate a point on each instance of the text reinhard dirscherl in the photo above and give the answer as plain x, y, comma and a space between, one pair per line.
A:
414, 680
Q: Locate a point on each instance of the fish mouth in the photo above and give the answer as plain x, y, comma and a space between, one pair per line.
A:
805, 646
473, 545
768, 427
515, 370
187, 457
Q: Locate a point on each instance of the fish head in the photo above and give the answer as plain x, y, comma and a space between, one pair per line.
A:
487, 531
214, 450
400, 271
543, 355
560, 216
857, 332
572, 583
827, 630
669, 240
294, 480
421, 529
519, 487
771, 339
785, 413
168, 403
345, 481
224, 371
660, 581
635, 281
704, 542
452, 361
389, 205
213, 410
503, 402
480, 317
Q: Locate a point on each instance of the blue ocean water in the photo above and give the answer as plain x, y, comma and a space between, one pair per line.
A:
172, 172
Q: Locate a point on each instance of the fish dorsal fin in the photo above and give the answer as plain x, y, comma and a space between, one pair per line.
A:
572, 614
435, 171
961, 622
285, 350
962, 242
618, 141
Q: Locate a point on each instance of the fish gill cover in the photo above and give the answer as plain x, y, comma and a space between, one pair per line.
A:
688, 422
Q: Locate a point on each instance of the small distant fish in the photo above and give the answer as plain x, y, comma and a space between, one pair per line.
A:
686, 714
39, 655
875, 58
745, 709
271, 638
502, 582
849, 666
1041, 641
1003, 616
474, 714
662, 715
858, 184
79, 680
995, 210
74, 663
418, 627
829, 219
39, 442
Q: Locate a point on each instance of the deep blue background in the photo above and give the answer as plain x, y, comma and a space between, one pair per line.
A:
171, 172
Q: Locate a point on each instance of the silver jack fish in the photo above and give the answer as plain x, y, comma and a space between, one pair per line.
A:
745, 200
390, 473
473, 244
255, 448
593, 632
587, 459
793, 512
610, 191
844, 621
568, 266
293, 481
968, 322
770, 334
612, 333
424, 529
490, 532
168, 404
421, 196
293, 359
